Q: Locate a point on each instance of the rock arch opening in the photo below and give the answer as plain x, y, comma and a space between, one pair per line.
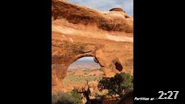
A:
85, 63
82, 70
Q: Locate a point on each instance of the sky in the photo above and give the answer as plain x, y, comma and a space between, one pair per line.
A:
106, 5
86, 58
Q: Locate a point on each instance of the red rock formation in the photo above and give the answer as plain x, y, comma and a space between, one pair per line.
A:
78, 31
116, 9
81, 15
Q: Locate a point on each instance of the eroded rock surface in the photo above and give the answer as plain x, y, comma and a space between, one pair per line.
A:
78, 31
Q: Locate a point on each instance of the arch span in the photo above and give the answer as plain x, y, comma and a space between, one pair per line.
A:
109, 55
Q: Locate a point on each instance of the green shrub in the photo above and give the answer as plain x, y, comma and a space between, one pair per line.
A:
119, 84
72, 97
75, 96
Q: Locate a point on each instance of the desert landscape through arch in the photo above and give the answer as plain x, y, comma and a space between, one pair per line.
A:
80, 72
85, 63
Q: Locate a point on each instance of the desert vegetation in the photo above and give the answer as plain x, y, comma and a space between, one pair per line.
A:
72, 97
107, 90
117, 85
80, 77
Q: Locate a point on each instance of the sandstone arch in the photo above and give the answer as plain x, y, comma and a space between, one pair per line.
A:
78, 31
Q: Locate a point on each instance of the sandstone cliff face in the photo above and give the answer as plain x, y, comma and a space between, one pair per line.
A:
78, 31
